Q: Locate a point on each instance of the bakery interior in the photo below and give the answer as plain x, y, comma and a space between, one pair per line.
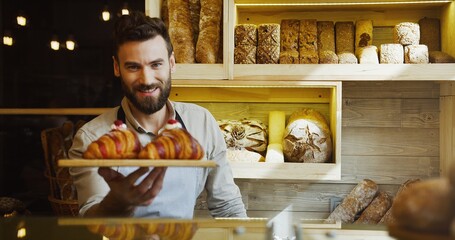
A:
392, 126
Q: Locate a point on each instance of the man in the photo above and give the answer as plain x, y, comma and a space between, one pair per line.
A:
144, 60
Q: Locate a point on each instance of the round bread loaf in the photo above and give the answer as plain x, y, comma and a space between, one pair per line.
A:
307, 138
426, 206
246, 134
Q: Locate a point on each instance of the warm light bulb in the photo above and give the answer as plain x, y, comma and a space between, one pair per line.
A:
21, 232
125, 11
70, 45
21, 21
106, 15
55, 45
7, 40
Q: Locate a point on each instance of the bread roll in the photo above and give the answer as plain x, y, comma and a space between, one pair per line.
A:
430, 33
391, 53
376, 209
388, 217
363, 34
245, 54
426, 206
208, 42
344, 37
406, 33
307, 138
355, 202
289, 35
181, 30
416, 54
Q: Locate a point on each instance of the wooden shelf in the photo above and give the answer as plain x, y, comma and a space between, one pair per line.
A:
135, 163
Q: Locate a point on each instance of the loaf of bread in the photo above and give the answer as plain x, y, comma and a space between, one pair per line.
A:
368, 55
268, 54
376, 209
426, 206
195, 10
344, 37
246, 134
326, 36
392, 53
355, 202
416, 54
289, 35
388, 217
440, 57
430, 33
308, 42
208, 42
406, 33
245, 34
181, 30
328, 57
347, 58
289, 57
174, 142
307, 137
245, 54
119, 143
243, 155
363, 33
269, 34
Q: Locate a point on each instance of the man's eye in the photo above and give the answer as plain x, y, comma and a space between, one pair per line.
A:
156, 65
132, 68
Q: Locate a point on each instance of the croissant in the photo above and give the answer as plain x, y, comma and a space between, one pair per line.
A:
173, 143
119, 143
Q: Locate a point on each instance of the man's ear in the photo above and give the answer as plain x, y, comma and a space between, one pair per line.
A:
116, 67
172, 64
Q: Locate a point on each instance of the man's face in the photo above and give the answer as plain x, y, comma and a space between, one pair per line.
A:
145, 71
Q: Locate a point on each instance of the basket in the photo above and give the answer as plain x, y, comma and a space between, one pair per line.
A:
64, 207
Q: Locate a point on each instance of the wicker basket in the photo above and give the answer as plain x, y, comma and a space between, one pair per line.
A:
64, 207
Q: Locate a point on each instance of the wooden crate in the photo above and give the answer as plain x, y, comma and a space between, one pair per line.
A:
254, 100
197, 70
384, 16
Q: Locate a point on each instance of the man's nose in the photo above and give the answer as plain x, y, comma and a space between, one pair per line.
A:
148, 76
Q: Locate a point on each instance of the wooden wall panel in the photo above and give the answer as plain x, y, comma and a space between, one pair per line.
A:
390, 134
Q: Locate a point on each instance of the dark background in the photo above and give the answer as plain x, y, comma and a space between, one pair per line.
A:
35, 76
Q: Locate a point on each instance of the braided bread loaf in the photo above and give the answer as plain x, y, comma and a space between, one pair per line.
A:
119, 143
173, 143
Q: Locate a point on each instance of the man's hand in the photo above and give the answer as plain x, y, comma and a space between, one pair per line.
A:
125, 195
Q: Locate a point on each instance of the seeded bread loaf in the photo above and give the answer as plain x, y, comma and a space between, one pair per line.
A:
308, 41
344, 37
208, 42
181, 30
326, 36
245, 54
289, 35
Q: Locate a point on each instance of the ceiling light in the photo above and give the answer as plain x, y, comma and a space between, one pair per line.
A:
70, 43
105, 15
125, 9
55, 44
8, 38
21, 20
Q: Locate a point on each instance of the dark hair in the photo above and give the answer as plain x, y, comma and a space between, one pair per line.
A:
139, 27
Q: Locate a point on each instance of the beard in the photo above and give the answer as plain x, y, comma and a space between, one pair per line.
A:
148, 105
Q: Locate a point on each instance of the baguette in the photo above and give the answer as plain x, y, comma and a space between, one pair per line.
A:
181, 31
376, 210
208, 42
355, 202
388, 217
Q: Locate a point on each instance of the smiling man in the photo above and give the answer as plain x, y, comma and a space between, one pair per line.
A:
144, 61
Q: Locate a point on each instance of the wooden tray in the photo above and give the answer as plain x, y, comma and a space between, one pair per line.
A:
404, 234
135, 163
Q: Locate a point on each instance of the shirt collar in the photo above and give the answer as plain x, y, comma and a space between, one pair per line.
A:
132, 122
